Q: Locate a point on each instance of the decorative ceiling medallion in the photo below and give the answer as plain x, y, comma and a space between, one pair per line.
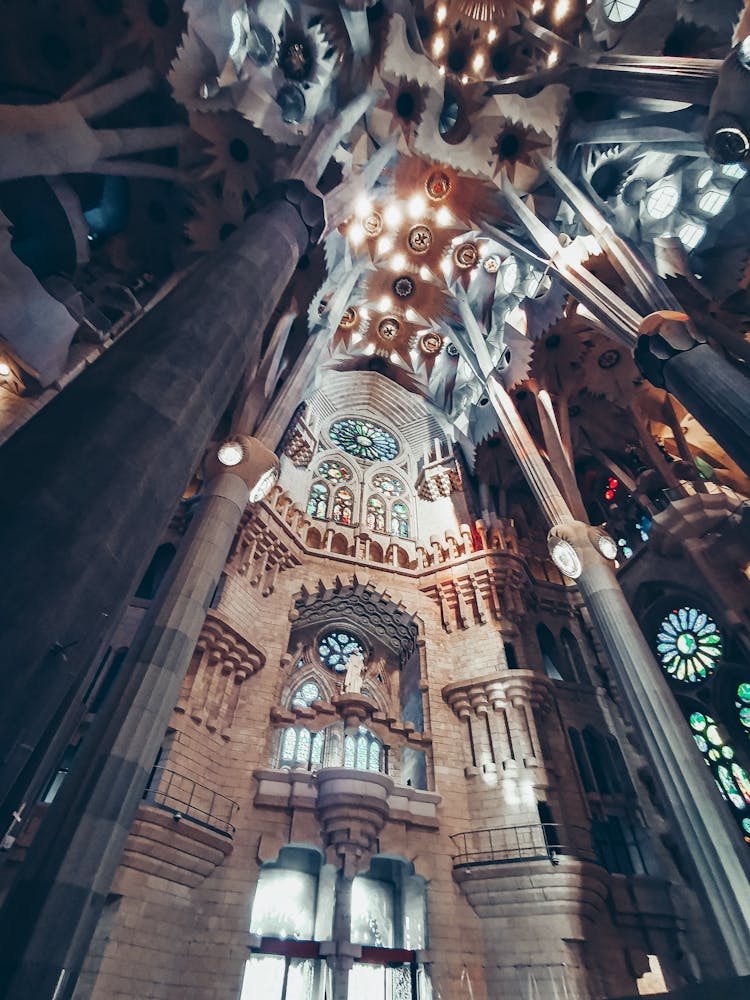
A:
404, 286
451, 350
388, 328
349, 319
373, 224
431, 344
466, 255
565, 557
296, 60
437, 185
420, 239
609, 358
492, 264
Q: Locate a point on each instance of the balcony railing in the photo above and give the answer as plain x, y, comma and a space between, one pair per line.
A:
188, 799
531, 842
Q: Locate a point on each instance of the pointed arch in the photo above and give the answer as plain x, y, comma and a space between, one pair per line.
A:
317, 502
376, 513
343, 506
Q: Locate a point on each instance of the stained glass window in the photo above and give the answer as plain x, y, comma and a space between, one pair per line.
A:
742, 702
388, 484
306, 694
375, 514
663, 201
732, 779
364, 439
362, 751
400, 520
343, 506
689, 644
336, 648
317, 505
335, 471
300, 747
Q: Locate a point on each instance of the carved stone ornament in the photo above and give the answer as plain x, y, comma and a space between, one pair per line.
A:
430, 344
388, 328
373, 224
420, 239
565, 557
350, 318
438, 185
466, 255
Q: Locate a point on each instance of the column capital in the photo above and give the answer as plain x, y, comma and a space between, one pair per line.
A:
575, 546
663, 335
308, 204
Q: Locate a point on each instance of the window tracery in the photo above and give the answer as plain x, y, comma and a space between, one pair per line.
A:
336, 647
376, 514
306, 694
363, 751
364, 439
336, 471
317, 504
343, 506
689, 644
400, 519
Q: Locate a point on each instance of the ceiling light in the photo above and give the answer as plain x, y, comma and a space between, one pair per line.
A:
553, 57
537, 7
356, 234
394, 356
441, 70
561, 10
443, 216
478, 62
363, 205
398, 262
464, 79
230, 453
393, 215
411, 315
425, 273
384, 305
441, 13
385, 244
438, 45
4, 369
417, 206
492, 35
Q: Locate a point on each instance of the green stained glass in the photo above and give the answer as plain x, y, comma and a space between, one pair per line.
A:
336, 648
317, 505
727, 783
713, 735
400, 520
746, 825
343, 506
727, 753
713, 754
698, 721
388, 484
743, 693
689, 645
364, 439
742, 780
745, 716
335, 471
701, 743
375, 514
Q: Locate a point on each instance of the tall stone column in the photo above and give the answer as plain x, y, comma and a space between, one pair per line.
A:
708, 835
69, 869
98, 472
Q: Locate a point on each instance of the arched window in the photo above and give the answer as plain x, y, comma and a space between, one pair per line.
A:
689, 644
335, 648
305, 695
573, 654
375, 514
400, 519
363, 751
731, 778
337, 472
343, 506
388, 485
548, 649
301, 748
317, 505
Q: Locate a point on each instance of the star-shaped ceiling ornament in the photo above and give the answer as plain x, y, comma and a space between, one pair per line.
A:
514, 150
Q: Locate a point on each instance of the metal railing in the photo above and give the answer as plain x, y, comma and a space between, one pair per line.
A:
188, 799
530, 842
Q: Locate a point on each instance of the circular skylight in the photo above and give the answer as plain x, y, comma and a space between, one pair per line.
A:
663, 201
619, 11
704, 177
691, 234
712, 201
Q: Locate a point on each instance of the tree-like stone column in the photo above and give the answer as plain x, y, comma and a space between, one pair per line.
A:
709, 837
69, 869
98, 472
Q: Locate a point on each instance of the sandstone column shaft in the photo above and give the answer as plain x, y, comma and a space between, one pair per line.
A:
98, 472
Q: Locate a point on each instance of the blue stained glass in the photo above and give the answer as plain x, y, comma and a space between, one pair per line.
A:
306, 695
364, 439
336, 648
689, 645
388, 484
317, 505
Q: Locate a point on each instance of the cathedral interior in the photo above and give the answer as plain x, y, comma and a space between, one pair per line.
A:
374, 464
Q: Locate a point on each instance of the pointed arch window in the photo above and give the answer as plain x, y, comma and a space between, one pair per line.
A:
400, 519
337, 472
317, 504
301, 748
343, 506
376, 514
388, 485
